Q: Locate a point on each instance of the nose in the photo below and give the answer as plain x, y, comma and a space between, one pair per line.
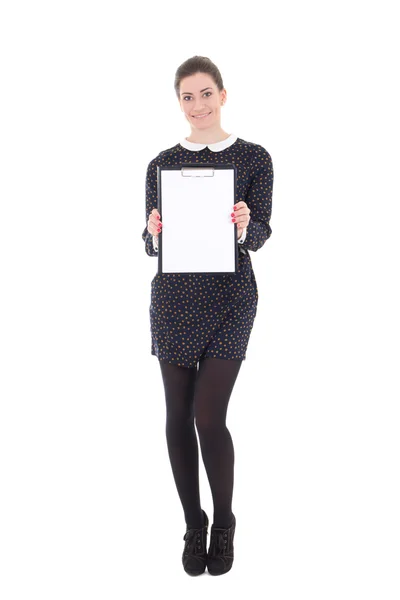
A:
198, 107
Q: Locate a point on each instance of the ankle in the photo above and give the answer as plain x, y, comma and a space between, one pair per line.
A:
196, 522
223, 522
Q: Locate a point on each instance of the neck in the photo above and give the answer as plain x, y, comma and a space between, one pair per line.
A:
208, 136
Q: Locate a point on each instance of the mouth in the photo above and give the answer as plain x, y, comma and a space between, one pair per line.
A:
203, 116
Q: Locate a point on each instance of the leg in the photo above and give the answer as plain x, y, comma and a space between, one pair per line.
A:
179, 385
214, 385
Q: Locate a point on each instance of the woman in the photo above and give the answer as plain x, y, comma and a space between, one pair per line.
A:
201, 323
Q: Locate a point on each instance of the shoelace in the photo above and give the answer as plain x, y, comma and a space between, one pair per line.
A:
193, 541
219, 540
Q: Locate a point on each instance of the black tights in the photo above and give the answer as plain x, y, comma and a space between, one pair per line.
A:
201, 394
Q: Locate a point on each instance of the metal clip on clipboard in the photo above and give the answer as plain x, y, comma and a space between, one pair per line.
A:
197, 172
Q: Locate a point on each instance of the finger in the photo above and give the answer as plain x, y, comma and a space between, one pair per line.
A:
241, 215
241, 208
154, 221
154, 226
155, 215
240, 204
156, 230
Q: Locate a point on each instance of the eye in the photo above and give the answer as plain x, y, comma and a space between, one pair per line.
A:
184, 97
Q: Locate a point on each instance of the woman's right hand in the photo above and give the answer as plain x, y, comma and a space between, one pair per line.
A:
154, 224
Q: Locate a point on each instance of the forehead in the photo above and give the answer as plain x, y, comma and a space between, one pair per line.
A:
194, 83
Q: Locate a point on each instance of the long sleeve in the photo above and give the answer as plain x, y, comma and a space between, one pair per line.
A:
151, 203
259, 200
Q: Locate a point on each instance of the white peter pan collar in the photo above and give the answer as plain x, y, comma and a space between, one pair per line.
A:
216, 147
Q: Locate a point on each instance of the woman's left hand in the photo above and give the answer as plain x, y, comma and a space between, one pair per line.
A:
240, 216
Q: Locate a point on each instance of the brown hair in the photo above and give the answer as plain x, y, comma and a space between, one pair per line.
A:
197, 64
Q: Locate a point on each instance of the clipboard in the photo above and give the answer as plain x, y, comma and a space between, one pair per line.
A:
195, 203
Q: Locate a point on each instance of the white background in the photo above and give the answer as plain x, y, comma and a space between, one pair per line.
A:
88, 506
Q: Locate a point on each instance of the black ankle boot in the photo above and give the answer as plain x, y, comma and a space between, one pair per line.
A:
220, 553
194, 557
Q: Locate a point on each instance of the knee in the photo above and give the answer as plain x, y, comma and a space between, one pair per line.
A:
208, 427
178, 420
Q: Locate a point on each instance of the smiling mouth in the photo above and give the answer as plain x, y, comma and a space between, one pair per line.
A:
203, 116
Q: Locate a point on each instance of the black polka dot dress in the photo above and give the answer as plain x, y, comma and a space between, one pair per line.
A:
196, 315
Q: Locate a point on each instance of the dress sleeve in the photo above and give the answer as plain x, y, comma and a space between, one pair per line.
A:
151, 203
259, 200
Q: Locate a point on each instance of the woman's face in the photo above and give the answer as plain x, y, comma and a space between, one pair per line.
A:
199, 95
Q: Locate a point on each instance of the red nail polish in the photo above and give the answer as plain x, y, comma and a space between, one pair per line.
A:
235, 208
158, 216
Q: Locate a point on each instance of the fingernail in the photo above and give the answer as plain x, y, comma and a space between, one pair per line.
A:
235, 207
232, 214
158, 216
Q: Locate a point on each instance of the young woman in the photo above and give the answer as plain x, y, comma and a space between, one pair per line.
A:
201, 323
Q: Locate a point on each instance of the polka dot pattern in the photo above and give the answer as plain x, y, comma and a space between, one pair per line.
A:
195, 315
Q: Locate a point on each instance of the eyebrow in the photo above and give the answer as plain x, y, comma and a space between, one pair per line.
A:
190, 93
